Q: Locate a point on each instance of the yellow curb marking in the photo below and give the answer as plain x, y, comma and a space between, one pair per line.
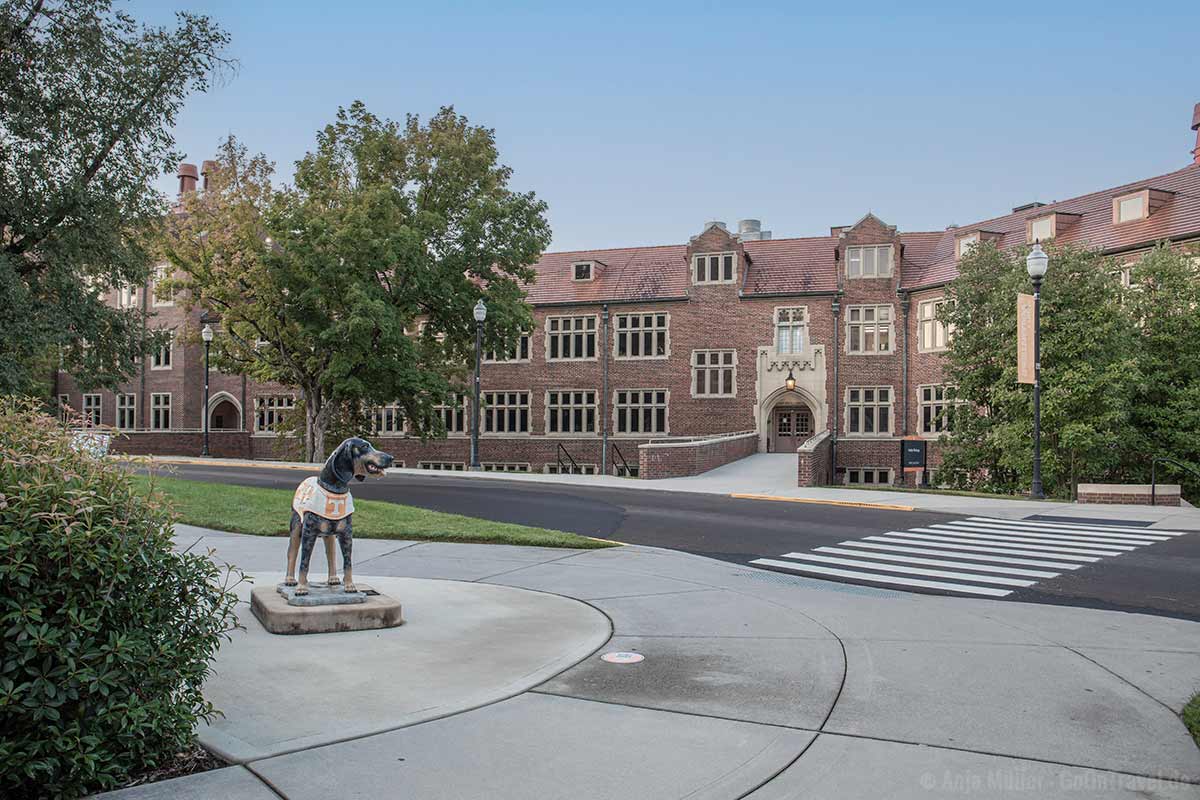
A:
849, 503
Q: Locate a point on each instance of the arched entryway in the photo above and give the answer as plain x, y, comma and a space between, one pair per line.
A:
224, 413
791, 426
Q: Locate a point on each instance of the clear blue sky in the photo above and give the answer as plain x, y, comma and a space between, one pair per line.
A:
638, 122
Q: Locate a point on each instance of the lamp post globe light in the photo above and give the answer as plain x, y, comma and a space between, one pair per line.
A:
1035, 264
207, 335
480, 314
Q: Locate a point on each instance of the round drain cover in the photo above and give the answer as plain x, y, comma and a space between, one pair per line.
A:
622, 658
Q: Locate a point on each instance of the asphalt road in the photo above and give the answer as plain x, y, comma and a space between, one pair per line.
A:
1163, 578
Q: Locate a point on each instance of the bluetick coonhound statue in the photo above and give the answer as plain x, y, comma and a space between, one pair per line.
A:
322, 506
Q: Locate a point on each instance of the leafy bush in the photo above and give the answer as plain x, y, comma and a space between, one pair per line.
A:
107, 632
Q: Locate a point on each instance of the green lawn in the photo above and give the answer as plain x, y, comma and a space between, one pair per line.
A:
1191, 718
265, 512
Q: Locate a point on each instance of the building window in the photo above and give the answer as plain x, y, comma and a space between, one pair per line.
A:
442, 466
790, 324
625, 470
868, 410
1041, 229
869, 329
571, 469
714, 373
161, 357
64, 407
453, 414
91, 409
126, 411
126, 296
935, 407
164, 296
642, 336
873, 261
505, 466
868, 476
964, 244
582, 270
570, 411
506, 412
160, 411
640, 410
387, 420
570, 338
1129, 208
269, 412
932, 333
714, 268
516, 351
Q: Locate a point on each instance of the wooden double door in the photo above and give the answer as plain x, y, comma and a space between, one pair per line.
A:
791, 426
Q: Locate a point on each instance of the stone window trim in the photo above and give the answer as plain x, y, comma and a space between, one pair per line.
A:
866, 400
583, 469
127, 296
520, 350
566, 407
859, 475
1040, 229
505, 412
932, 396
583, 271
964, 242
388, 420
163, 357
790, 322
724, 369
571, 333
64, 406
442, 466
876, 321
624, 330
160, 411
506, 466
92, 408
456, 414
870, 261
714, 269
636, 400
269, 410
126, 411
163, 299
930, 328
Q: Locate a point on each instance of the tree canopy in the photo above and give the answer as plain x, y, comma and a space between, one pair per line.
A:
88, 98
355, 284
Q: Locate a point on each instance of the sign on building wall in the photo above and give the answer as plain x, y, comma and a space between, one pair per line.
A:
912, 454
1025, 373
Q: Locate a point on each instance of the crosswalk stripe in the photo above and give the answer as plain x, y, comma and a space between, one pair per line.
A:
814, 569
1037, 523
1028, 544
949, 544
928, 551
932, 573
934, 562
1056, 533
1044, 538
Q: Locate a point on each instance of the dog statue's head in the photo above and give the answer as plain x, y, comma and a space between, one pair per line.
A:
353, 458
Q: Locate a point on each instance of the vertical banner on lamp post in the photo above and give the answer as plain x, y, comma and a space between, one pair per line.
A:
1025, 372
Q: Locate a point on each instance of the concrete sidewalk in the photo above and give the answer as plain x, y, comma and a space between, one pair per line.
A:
772, 476
754, 685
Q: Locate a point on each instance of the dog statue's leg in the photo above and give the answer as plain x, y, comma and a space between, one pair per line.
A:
331, 560
308, 536
345, 532
293, 549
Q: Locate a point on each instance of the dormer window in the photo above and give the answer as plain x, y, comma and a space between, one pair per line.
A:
871, 261
964, 244
1129, 208
583, 270
714, 268
1041, 229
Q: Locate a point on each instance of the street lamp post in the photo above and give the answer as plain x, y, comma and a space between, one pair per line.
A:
207, 335
480, 315
1035, 265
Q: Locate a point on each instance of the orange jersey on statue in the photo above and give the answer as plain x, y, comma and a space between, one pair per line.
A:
311, 497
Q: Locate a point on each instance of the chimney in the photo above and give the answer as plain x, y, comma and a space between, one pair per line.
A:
207, 168
187, 178
1196, 128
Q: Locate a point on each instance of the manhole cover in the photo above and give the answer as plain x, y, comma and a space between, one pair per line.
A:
622, 658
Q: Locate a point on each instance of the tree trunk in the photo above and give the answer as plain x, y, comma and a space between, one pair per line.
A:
312, 409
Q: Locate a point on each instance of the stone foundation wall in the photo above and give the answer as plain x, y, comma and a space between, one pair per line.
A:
681, 459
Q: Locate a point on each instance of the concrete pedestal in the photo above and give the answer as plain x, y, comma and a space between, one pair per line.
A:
325, 609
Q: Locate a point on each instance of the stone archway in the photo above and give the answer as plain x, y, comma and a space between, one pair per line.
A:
224, 412
788, 419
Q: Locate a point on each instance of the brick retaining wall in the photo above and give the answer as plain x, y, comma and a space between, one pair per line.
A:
1167, 494
813, 460
681, 459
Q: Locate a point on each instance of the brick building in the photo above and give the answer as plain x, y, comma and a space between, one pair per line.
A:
673, 359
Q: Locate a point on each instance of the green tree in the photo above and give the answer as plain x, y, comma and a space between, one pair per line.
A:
355, 285
1165, 300
1090, 372
87, 100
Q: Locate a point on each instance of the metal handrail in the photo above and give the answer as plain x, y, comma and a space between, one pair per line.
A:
621, 456
562, 451
1154, 474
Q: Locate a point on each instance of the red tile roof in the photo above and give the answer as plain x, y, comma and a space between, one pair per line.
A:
807, 264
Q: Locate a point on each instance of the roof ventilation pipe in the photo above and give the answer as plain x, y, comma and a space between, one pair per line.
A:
750, 230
